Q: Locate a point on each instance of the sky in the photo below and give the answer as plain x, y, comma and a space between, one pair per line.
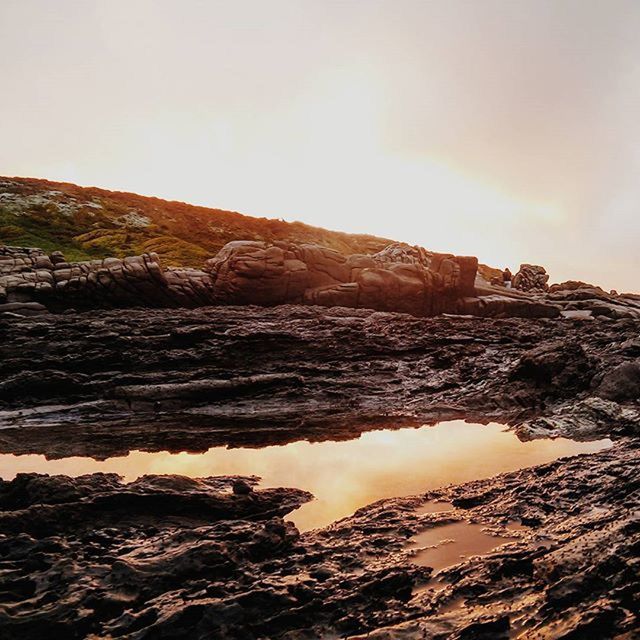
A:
506, 129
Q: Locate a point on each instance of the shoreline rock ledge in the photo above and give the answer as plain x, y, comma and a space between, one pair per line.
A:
400, 278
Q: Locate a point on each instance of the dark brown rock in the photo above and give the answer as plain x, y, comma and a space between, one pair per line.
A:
216, 375
621, 383
401, 278
168, 556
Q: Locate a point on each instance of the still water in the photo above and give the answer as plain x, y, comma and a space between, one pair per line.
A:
342, 475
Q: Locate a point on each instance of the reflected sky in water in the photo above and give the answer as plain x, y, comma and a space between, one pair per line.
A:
342, 475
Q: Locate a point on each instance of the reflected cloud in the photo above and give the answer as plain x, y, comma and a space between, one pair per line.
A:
343, 476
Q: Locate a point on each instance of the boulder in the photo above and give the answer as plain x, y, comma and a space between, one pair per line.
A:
247, 272
399, 278
621, 383
531, 277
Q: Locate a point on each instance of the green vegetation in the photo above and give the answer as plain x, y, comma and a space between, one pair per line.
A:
88, 223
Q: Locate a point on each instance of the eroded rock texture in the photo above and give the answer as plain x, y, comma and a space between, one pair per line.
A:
401, 278
249, 374
29, 277
170, 557
531, 277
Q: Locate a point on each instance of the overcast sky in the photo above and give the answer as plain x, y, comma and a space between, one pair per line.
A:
504, 129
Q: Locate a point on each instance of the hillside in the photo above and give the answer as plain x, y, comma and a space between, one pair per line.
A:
87, 222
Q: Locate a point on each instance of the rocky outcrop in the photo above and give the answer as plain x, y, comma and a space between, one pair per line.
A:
400, 278
29, 276
531, 277
586, 298
93, 557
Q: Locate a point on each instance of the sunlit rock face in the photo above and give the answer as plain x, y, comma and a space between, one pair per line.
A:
399, 278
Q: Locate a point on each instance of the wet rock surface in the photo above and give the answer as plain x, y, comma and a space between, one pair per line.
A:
174, 557
190, 379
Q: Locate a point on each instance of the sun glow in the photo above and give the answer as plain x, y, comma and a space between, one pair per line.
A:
474, 131
324, 161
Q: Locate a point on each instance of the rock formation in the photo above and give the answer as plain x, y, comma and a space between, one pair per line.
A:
30, 276
531, 277
172, 557
93, 557
400, 278
214, 375
397, 279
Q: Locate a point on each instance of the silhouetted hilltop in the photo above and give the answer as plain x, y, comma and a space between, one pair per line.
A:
87, 222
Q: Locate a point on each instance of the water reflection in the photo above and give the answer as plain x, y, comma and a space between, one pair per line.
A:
446, 545
342, 475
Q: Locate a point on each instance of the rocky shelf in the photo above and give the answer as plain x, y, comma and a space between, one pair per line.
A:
167, 556
172, 557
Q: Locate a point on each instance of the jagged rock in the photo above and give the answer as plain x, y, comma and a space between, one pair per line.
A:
403, 253
586, 419
28, 275
169, 556
585, 298
563, 365
531, 277
400, 278
301, 368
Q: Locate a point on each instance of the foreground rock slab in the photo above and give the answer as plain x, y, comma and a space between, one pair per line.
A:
175, 557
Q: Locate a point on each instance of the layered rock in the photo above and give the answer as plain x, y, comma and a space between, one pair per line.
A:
220, 375
400, 278
29, 276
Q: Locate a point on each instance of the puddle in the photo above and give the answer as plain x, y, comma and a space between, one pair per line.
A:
343, 476
448, 544
434, 506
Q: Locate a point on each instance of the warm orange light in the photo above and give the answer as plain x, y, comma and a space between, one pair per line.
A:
342, 475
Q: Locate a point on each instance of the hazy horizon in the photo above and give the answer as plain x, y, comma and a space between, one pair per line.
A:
506, 130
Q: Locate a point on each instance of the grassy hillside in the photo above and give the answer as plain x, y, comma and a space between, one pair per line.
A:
86, 222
